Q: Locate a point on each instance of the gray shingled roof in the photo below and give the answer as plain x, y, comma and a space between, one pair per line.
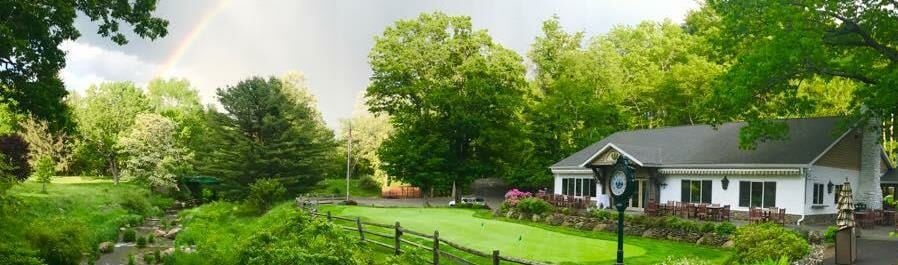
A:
702, 144
890, 177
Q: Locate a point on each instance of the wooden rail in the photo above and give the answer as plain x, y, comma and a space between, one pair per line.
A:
437, 247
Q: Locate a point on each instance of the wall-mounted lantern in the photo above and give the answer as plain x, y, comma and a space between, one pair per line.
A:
829, 187
725, 182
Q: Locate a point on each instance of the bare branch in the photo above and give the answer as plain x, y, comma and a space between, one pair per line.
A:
840, 73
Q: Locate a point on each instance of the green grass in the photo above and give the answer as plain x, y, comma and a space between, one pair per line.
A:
338, 187
477, 230
97, 206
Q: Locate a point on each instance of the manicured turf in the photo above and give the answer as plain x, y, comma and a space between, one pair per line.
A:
550, 244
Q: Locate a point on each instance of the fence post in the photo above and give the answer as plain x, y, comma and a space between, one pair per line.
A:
358, 223
329, 216
496, 257
436, 247
397, 234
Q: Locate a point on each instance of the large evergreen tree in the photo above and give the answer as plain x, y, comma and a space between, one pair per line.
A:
264, 134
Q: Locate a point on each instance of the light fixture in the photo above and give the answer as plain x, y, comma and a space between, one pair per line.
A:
725, 182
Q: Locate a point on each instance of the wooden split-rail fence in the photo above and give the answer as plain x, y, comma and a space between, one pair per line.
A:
402, 235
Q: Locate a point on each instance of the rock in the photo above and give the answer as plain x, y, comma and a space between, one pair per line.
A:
171, 234
535, 218
728, 244
158, 232
600, 227
168, 251
815, 237
106, 247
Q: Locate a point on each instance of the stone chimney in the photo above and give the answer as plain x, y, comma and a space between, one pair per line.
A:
868, 190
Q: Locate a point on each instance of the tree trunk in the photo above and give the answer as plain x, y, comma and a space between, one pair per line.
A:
114, 168
43, 187
424, 193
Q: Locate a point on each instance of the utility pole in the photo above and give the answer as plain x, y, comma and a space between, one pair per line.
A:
348, 159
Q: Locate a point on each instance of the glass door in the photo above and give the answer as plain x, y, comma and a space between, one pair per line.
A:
639, 195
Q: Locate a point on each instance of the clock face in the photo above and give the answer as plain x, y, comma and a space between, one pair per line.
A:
618, 183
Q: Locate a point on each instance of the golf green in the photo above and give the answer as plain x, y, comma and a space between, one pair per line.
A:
518, 240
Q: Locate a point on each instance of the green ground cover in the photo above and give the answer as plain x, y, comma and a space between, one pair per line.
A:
75, 215
338, 186
476, 229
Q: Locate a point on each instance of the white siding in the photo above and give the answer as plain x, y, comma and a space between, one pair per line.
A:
823, 175
789, 190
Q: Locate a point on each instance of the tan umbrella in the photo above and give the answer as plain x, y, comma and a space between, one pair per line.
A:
845, 217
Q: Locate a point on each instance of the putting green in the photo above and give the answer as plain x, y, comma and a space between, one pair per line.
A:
459, 225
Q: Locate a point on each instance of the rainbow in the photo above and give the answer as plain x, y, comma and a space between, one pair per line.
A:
177, 54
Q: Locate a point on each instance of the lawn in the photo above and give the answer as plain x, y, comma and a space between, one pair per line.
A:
524, 240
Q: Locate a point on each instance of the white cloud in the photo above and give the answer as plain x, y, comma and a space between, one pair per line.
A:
87, 64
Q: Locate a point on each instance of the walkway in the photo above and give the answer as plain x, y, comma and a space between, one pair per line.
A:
874, 252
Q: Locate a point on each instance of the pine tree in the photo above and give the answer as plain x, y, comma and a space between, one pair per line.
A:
265, 134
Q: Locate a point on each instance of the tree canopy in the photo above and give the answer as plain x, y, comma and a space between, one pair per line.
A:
453, 96
777, 46
31, 33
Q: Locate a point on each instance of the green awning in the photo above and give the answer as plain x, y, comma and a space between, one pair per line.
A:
202, 180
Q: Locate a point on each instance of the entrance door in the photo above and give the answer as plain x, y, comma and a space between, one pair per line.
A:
639, 195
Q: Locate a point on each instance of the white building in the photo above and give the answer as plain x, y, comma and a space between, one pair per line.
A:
802, 173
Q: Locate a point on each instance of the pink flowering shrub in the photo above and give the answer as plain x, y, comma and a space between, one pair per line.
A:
514, 195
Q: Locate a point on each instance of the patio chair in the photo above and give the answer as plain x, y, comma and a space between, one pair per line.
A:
724, 213
701, 211
755, 215
651, 208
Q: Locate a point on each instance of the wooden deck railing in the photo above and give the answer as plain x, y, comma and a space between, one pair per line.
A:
402, 235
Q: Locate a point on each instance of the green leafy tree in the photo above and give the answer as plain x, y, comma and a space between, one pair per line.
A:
451, 89
42, 142
31, 33
151, 152
105, 112
778, 45
44, 170
369, 131
264, 134
177, 100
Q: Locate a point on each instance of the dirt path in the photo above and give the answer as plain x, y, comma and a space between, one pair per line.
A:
123, 250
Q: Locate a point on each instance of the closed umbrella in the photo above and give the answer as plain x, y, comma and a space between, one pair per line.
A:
845, 217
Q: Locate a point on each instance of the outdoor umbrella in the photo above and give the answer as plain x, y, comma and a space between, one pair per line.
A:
845, 218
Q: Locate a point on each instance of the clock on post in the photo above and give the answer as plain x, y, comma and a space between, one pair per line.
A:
622, 185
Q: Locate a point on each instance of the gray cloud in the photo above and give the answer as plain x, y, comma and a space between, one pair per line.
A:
329, 40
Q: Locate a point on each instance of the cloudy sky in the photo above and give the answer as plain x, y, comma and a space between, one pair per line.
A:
214, 43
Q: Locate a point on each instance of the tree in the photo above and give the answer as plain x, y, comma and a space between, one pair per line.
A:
264, 134
102, 115
151, 153
369, 131
776, 45
44, 143
177, 100
44, 170
447, 87
31, 33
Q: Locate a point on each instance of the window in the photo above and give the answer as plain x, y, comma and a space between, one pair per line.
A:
578, 187
838, 193
818, 193
695, 191
757, 194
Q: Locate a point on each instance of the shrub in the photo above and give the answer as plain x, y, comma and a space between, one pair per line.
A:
684, 261
780, 261
830, 235
533, 206
368, 183
151, 239
59, 242
514, 195
141, 242
131, 260
129, 235
602, 215
207, 194
157, 255
149, 259
708, 228
263, 193
138, 205
15, 152
725, 228
760, 242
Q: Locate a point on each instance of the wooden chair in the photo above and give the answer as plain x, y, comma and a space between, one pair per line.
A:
755, 215
701, 211
725, 213
651, 208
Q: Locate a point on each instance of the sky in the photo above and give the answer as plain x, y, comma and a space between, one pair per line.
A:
216, 43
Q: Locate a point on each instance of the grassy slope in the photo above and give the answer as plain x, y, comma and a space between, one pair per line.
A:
546, 243
93, 204
338, 187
